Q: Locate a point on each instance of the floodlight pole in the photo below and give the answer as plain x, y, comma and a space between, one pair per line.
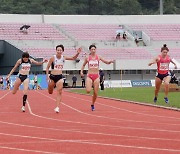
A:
161, 7
121, 79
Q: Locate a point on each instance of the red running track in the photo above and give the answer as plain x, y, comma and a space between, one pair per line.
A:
115, 127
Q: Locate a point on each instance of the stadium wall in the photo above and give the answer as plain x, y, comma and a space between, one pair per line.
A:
9, 57
1, 48
91, 19
42, 82
124, 64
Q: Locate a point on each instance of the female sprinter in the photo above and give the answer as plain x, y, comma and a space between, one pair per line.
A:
93, 72
163, 60
56, 79
24, 67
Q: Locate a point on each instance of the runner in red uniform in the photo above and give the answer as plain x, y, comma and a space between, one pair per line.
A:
93, 72
163, 74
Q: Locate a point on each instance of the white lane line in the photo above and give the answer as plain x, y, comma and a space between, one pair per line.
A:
174, 150
87, 132
5, 95
91, 133
91, 143
113, 144
27, 150
152, 115
40, 142
126, 120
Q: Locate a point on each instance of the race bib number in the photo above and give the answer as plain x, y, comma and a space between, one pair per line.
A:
58, 67
93, 64
26, 67
164, 66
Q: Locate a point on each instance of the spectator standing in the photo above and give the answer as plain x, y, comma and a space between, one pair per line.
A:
118, 36
83, 81
101, 74
173, 77
136, 39
74, 79
64, 81
8, 84
124, 36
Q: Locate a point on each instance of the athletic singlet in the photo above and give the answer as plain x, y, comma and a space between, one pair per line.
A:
93, 63
163, 65
58, 63
25, 66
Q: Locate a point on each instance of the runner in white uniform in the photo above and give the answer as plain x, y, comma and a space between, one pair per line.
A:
55, 78
23, 76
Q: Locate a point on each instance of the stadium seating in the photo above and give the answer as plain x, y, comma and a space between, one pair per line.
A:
47, 53
11, 31
173, 52
125, 53
159, 31
96, 32
122, 53
92, 31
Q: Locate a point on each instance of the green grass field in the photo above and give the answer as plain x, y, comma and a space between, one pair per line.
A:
144, 95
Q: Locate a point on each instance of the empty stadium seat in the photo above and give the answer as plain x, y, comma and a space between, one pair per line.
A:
11, 31
91, 31
159, 31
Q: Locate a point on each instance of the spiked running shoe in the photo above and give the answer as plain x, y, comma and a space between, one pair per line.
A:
92, 107
155, 99
23, 109
56, 109
166, 100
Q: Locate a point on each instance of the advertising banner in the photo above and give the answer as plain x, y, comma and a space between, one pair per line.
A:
141, 83
117, 83
42, 83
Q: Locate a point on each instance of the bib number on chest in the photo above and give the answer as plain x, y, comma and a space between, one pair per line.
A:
58, 67
164, 66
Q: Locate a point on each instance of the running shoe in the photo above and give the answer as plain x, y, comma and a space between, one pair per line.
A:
23, 109
155, 99
166, 100
92, 107
56, 109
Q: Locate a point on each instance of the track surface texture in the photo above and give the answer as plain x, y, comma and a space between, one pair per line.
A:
114, 126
